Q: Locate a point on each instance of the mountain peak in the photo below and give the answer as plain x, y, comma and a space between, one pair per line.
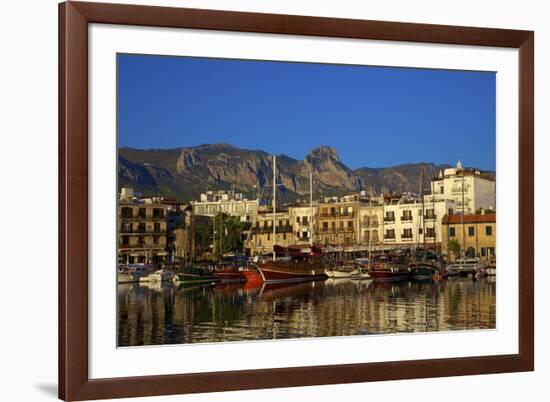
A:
323, 152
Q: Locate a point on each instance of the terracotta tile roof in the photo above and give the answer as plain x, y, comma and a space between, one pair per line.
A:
454, 219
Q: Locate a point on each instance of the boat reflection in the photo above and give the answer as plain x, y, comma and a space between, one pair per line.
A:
184, 313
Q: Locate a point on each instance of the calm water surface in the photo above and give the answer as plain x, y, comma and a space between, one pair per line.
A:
170, 314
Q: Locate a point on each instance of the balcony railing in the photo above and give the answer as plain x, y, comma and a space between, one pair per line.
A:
406, 218
430, 217
389, 219
406, 235
389, 236
430, 235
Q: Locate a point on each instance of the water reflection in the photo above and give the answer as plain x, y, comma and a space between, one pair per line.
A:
168, 314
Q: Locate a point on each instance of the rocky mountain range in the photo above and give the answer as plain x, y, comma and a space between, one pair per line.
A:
186, 172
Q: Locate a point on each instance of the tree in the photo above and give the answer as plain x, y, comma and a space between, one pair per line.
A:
227, 231
454, 247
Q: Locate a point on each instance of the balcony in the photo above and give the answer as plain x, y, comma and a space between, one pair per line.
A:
406, 218
406, 235
327, 215
389, 219
389, 236
430, 217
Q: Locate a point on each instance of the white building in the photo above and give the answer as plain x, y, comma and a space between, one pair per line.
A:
477, 188
230, 203
403, 224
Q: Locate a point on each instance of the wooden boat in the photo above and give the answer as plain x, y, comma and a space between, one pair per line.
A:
196, 275
294, 265
392, 268
231, 276
422, 270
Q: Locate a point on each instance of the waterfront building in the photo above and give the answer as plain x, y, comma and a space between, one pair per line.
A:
228, 202
141, 230
338, 221
475, 187
303, 220
261, 239
476, 235
371, 217
404, 224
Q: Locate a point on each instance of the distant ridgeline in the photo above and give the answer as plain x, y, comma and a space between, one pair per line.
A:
185, 173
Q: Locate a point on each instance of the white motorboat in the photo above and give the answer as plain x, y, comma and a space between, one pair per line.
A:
466, 266
158, 276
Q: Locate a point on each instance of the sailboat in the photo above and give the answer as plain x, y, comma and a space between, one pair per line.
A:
423, 269
290, 264
359, 273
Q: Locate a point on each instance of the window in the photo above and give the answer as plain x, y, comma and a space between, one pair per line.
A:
489, 230
450, 211
471, 231
441, 189
298, 220
452, 232
125, 240
142, 213
419, 230
284, 236
350, 224
407, 234
304, 220
390, 234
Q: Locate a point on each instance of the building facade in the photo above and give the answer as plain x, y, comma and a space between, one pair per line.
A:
371, 217
405, 225
475, 235
262, 239
476, 188
141, 233
234, 204
338, 221
303, 220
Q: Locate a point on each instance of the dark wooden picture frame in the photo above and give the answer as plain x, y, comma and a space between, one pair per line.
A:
74, 382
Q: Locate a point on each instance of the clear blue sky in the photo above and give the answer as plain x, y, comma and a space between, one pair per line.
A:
373, 116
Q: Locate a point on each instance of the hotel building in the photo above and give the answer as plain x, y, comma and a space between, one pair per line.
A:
477, 188
141, 230
404, 224
212, 203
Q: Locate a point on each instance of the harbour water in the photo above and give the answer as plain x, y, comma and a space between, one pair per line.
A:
167, 313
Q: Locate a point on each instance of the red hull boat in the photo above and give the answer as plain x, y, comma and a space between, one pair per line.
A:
295, 266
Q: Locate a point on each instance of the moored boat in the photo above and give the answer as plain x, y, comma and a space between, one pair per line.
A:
423, 270
132, 273
295, 264
391, 269
196, 275
158, 276
465, 266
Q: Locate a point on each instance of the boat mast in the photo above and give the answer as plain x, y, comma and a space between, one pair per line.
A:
433, 211
462, 217
274, 203
369, 229
221, 236
311, 208
423, 220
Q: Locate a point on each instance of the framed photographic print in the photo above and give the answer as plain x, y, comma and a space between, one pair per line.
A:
260, 200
